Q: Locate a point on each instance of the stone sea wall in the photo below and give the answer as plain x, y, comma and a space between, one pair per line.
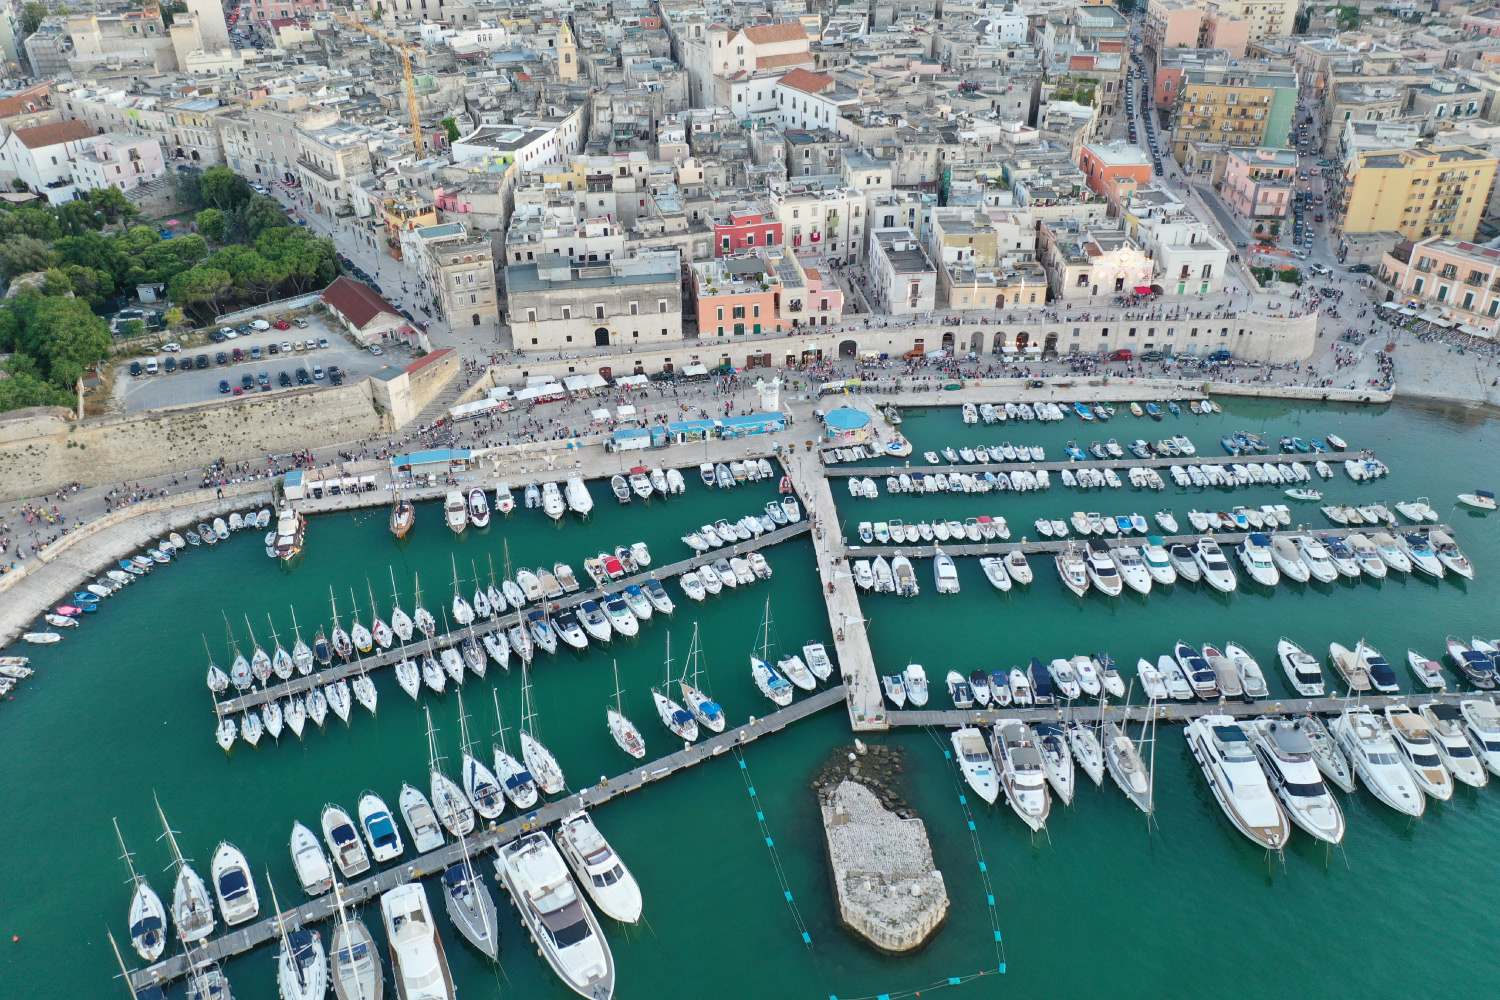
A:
42, 448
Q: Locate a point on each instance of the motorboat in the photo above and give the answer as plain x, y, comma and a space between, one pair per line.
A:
1255, 556
419, 966
560, 922
1213, 566
1018, 568
598, 868
1427, 672
1252, 679
958, 689
1086, 751
1476, 665
1340, 555
1377, 668
380, 828
1369, 746
1286, 757
343, 842
1350, 666
1101, 569
1414, 742
817, 660
994, 572
1132, 568
1286, 557
1391, 553
1022, 773
1174, 679
1154, 682
1226, 677
1228, 761
1315, 557
1158, 561
1366, 555
1479, 500
1327, 755
1020, 688
309, 861
979, 686
421, 822
895, 689
1064, 679
456, 512
234, 885
1449, 554
1446, 728
1183, 562
944, 573
1057, 759
1072, 569
1199, 673
1482, 727
1302, 670
975, 762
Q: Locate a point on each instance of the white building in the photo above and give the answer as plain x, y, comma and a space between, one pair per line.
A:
530, 147
42, 157
903, 279
1189, 259
821, 217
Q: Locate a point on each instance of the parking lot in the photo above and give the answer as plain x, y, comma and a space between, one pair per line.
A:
147, 392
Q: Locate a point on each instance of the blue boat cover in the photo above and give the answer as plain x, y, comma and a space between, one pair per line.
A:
518, 779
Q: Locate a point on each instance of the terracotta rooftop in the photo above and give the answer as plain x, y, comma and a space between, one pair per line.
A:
763, 34
807, 81
355, 301
52, 135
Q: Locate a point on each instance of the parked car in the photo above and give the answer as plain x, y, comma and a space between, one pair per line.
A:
247, 380
223, 385
242, 328
186, 364
170, 364
260, 324
272, 349
255, 351
286, 347
237, 354
282, 324
284, 379
221, 358
173, 346
301, 323
302, 377
317, 372
322, 341
136, 368
1123, 354
375, 349
311, 344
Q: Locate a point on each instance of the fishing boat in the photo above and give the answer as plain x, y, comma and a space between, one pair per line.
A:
403, 515
309, 861
192, 911
1228, 762
355, 968
1022, 773
560, 921
895, 689
419, 966
148, 918
456, 512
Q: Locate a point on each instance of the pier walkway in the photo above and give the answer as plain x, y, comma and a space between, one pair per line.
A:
420, 644
245, 938
1128, 462
924, 550
1166, 712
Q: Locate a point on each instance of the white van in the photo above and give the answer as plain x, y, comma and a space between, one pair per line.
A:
151, 367
260, 324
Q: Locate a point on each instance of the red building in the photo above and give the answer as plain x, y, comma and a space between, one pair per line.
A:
745, 228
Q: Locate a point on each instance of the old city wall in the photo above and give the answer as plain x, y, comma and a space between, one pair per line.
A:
42, 448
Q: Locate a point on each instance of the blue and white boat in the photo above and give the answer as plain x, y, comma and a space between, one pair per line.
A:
1083, 411
1231, 444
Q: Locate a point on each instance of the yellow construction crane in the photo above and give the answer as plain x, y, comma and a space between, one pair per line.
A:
404, 50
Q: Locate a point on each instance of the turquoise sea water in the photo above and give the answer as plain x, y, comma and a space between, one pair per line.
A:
119, 710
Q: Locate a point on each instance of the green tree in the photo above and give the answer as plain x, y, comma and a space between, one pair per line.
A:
451, 125
251, 272
91, 284
211, 224
203, 283
31, 17
170, 10
77, 217
55, 281
29, 220
113, 204
22, 389
24, 254
260, 214
224, 189
93, 250
187, 186
309, 261
174, 317
62, 335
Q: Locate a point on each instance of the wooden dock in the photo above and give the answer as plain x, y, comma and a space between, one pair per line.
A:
924, 550
245, 938
1128, 462
420, 644
1166, 712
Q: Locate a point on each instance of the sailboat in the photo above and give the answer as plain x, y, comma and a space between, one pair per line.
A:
676, 718
147, 991
192, 910
480, 784
519, 785
356, 968
766, 677
362, 638
625, 734
400, 620
470, 905
426, 624
378, 628
281, 661
463, 612
704, 708
148, 918
218, 680
403, 516
260, 663
301, 965
453, 810
364, 688
342, 644
302, 656
539, 760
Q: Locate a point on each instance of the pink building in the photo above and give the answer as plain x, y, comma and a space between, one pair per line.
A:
117, 160
1258, 182
1172, 24
266, 10
744, 228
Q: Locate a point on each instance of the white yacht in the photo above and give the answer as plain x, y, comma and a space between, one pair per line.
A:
1057, 761
418, 964
380, 828
914, 680
1287, 758
234, 885
1255, 556
1413, 738
1214, 567
1447, 730
148, 917
598, 868
1072, 569
560, 922
975, 762
1158, 562
1302, 670
1064, 679
1021, 771
1482, 727
1132, 568
1101, 569
1316, 558
421, 822
1364, 740
1224, 753
313, 870
945, 575
348, 853
1086, 751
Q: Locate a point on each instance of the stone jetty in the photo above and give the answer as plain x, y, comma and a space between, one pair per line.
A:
889, 891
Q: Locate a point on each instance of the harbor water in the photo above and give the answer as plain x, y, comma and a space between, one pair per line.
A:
119, 709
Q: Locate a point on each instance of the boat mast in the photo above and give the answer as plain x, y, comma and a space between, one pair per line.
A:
335, 604
432, 749
526, 726
395, 594
295, 629
619, 707
296, 966
251, 633
501, 723
120, 960
491, 558
463, 725
369, 589
126, 856
170, 835
338, 898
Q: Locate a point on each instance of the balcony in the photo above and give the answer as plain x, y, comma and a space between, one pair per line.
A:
315, 168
